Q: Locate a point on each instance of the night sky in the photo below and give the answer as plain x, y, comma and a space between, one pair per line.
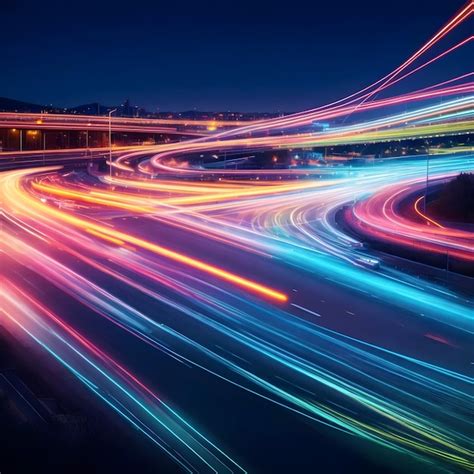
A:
245, 55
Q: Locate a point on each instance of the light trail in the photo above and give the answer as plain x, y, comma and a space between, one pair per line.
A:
101, 374
154, 258
294, 196
40, 121
31, 205
416, 206
379, 215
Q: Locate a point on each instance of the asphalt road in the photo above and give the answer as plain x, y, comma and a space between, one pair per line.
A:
357, 368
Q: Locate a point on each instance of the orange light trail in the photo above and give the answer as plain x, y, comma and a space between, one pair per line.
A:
255, 287
424, 216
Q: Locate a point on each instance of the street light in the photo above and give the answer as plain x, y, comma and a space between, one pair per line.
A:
110, 140
427, 178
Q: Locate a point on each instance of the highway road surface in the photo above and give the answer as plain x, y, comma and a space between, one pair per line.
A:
219, 317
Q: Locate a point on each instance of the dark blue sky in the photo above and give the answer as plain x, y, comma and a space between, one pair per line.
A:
226, 55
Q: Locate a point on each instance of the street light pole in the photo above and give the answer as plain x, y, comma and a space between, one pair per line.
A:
427, 177
110, 141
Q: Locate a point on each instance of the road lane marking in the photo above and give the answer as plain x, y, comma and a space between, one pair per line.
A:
306, 310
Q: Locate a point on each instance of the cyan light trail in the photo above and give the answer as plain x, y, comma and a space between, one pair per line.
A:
113, 384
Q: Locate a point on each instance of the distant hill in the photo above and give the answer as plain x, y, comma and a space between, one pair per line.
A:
127, 110
11, 105
455, 201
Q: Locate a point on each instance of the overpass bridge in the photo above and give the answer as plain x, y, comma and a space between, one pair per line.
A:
33, 131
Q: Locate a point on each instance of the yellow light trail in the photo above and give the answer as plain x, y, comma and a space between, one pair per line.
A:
38, 208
